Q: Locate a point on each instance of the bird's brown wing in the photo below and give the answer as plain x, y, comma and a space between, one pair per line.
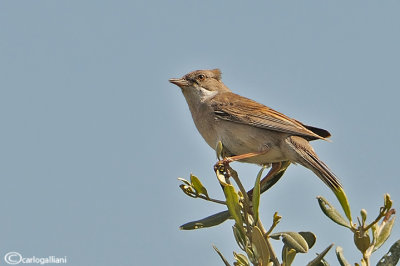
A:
235, 108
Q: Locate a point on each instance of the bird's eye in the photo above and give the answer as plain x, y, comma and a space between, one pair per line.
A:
201, 77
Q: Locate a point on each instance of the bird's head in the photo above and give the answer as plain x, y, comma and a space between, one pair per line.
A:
201, 81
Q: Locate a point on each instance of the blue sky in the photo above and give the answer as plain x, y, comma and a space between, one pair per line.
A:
94, 137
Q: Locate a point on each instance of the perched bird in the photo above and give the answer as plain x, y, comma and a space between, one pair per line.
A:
249, 131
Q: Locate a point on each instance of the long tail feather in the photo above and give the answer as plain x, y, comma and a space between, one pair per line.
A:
309, 159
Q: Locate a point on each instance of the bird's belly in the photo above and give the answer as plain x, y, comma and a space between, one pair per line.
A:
241, 139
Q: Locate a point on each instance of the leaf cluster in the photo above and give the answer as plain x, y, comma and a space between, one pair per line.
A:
255, 241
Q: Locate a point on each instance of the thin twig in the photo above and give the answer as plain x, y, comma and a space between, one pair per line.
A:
211, 199
381, 214
246, 202
235, 177
271, 250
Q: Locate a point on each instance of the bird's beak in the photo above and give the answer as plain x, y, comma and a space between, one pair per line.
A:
180, 82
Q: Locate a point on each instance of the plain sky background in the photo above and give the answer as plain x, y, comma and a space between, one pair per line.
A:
93, 136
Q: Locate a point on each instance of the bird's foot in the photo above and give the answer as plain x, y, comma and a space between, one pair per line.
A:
222, 165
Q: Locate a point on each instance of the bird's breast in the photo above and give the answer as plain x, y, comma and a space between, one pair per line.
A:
204, 120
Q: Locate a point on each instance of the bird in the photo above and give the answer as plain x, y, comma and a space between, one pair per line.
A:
250, 131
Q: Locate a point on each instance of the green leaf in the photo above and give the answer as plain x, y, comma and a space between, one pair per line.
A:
340, 257
392, 257
362, 241
256, 195
240, 238
221, 256
276, 219
188, 190
374, 230
198, 186
288, 255
232, 201
309, 237
341, 196
240, 259
387, 202
209, 221
261, 247
293, 240
319, 260
363, 214
384, 233
218, 150
184, 181
221, 178
251, 255
331, 212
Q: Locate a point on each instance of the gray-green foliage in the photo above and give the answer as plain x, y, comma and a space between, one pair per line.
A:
254, 240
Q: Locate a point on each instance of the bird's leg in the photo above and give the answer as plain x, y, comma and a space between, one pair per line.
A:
264, 150
242, 156
227, 160
223, 164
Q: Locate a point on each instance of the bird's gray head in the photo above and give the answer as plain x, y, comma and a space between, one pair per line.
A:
201, 80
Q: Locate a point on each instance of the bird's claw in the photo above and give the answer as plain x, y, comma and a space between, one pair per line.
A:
223, 164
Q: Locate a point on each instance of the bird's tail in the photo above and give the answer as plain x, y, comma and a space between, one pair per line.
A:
308, 158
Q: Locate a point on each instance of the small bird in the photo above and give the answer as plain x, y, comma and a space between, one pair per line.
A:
249, 131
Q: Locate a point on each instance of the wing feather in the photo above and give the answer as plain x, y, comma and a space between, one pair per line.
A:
235, 108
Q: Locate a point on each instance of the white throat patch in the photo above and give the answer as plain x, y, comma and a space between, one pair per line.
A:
206, 94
